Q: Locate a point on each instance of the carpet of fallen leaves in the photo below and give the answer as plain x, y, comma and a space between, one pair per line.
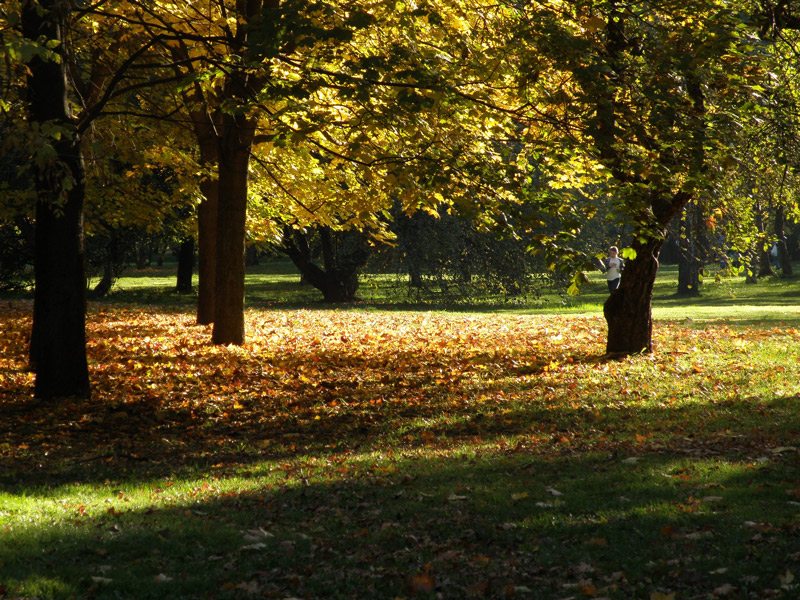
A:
319, 379
323, 377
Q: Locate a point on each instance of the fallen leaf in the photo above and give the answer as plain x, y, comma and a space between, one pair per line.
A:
588, 590
423, 582
257, 534
256, 546
725, 589
667, 530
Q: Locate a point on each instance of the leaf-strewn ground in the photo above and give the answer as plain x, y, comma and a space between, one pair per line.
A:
400, 454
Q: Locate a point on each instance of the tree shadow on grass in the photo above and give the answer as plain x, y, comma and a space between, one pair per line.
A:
488, 526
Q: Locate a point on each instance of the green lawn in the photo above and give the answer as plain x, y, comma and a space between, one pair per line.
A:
275, 283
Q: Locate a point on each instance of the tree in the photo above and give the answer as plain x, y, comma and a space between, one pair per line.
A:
185, 265
639, 94
356, 107
58, 340
693, 246
343, 254
58, 38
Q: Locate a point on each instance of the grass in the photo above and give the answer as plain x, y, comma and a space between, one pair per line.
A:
275, 283
367, 453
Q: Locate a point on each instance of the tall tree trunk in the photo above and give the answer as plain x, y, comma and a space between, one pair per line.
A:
107, 280
628, 309
207, 227
762, 265
692, 243
783, 250
58, 339
234, 161
185, 266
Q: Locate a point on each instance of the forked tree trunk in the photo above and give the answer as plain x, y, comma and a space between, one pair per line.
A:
338, 281
58, 339
628, 309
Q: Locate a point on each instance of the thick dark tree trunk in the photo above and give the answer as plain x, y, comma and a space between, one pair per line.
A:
234, 161
185, 266
627, 309
58, 339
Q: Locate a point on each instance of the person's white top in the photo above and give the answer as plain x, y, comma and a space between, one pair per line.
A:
613, 269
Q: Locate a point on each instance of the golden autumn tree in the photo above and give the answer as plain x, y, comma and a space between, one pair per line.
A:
74, 68
638, 106
326, 113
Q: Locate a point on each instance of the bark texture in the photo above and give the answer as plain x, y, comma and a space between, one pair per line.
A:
234, 160
627, 309
58, 339
185, 266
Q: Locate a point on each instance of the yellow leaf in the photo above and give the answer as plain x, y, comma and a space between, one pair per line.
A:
594, 24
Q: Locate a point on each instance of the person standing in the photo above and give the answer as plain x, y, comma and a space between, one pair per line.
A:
613, 267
